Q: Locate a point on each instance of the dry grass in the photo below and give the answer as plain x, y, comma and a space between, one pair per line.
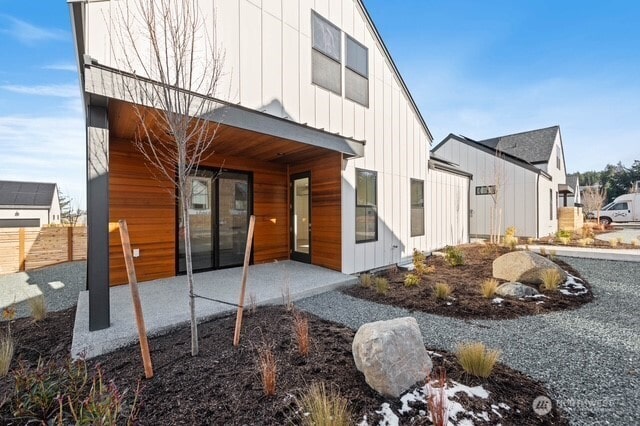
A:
38, 306
320, 407
635, 242
253, 304
551, 279
381, 285
613, 242
543, 251
366, 280
476, 359
530, 240
564, 240
489, 287
268, 369
286, 297
301, 332
442, 291
437, 399
6, 353
411, 280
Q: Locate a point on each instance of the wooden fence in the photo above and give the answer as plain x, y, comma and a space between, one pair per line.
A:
22, 249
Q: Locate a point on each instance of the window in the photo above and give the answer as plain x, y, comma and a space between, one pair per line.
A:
366, 206
417, 207
326, 56
558, 159
485, 190
551, 204
200, 194
619, 206
356, 74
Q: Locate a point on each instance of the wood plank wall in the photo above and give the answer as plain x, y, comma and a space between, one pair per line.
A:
149, 208
326, 208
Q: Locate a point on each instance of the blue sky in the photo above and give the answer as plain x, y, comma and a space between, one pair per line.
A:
478, 68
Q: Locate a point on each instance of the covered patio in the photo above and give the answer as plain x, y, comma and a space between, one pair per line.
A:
165, 301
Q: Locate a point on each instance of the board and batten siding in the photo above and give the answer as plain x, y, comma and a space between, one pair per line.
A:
549, 225
446, 209
519, 195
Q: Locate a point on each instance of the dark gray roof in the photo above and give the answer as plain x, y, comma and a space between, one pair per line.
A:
534, 146
26, 193
572, 181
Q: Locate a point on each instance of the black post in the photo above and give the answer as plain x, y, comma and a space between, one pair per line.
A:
98, 217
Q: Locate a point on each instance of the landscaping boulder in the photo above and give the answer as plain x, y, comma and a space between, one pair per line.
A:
391, 355
515, 290
524, 267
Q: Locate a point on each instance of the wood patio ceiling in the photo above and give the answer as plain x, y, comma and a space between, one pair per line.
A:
229, 141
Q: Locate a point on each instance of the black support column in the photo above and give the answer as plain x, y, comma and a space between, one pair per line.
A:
98, 216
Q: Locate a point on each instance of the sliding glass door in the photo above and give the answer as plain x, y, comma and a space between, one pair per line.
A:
219, 213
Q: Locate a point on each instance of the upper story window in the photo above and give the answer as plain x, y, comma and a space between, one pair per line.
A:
326, 57
356, 74
558, 159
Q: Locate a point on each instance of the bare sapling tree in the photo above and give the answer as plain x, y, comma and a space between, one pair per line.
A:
496, 190
170, 70
593, 198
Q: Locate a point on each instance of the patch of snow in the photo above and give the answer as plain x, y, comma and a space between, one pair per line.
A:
465, 422
540, 302
504, 406
497, 300
364, 421
415, 396
574, 286
434, 354
484, 416
537, 296
477, 391
389, 418
449, 303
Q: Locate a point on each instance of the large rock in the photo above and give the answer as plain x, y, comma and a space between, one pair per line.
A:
524, 267
391, 355
515, 290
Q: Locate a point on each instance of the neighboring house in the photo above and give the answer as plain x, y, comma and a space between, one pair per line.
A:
317, 127
28, 204
574, 197
532, 170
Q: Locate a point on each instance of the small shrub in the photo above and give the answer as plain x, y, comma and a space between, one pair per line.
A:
476, 359
489, 288
321, 408
6, 353
381, 285
613, 242
301, 332
418, 257
510, 242
543, 251
551, 279
587, 230
268, 369
431, 269
38, 306
582, 242
635, 242
70, 394
563, 233
454, 256
437, 399
366, 280
620, 240
442, 291
411, 280
552, 254
510, 232
564, 240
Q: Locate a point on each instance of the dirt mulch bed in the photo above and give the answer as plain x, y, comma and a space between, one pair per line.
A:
466, 300
222, 384
575, 240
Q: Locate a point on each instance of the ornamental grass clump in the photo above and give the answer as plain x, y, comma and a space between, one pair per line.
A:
268, 369
38, 306
613, 242
411, 280
442, 291
510, 239
301, 333
319, 407
6, 353
381, 284
476, 359
366, 280
489, 287
551, 279
635, 242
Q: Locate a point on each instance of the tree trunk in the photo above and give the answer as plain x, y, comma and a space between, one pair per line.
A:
187, 251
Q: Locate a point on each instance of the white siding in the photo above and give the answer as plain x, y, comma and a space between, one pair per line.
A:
446, 209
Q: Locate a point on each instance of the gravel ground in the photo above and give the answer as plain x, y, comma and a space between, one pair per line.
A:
60, 285
589, 358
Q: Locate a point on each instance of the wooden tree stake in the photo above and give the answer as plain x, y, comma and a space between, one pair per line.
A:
135, 295
245, 273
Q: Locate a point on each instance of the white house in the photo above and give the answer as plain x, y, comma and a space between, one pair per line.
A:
526, 171
28, 204
318, 135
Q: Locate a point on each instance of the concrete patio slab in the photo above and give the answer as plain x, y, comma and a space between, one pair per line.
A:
165, 302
